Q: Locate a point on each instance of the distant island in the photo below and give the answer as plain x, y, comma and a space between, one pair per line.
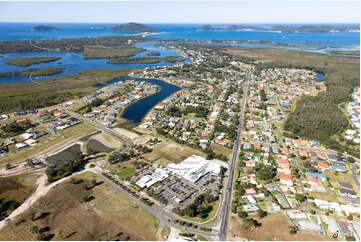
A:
206, 27
45, 28
133, 27
286, 29
97, 27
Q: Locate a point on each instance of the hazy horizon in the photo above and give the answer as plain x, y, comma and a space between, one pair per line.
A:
183, 23
246, 12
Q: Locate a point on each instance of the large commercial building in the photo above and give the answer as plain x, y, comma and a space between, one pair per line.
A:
193, 168
148, 180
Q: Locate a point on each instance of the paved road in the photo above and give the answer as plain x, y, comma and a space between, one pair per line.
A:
103, 128
226, 207
307, 206
355, 176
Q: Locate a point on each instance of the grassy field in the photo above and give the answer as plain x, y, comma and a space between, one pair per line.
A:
24, 62
35, 72
106, 216
340, 178
172, 152
331, 197
274, 227
309, 47
162, 161
17, 188
152, 54
342, 52
218, 149
201, 238
106, 53
173, 59
127, 172
31, 95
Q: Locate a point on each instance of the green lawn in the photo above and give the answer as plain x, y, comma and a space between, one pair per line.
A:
127, 172
201, 238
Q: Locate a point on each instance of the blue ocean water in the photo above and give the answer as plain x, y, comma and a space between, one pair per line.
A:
22, 31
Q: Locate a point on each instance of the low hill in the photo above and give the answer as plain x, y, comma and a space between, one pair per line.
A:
133, 27
45, 28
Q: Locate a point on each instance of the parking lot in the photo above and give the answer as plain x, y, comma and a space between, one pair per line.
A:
176, 191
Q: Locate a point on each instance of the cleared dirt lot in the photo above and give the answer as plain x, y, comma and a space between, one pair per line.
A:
126, 133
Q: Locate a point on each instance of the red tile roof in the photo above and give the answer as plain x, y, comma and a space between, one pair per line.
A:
285, 177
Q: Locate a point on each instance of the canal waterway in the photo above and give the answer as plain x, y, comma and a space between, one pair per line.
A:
136, 111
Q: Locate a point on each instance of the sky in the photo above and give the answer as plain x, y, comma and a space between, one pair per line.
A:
181, 12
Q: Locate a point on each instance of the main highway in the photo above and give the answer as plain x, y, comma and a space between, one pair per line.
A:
226, 207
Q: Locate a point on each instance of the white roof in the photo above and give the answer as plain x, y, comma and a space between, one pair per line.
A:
194, 167
251, 199
20, 145
148, 180
27, 135
296, 214
350, 131
30, 141
144, 180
